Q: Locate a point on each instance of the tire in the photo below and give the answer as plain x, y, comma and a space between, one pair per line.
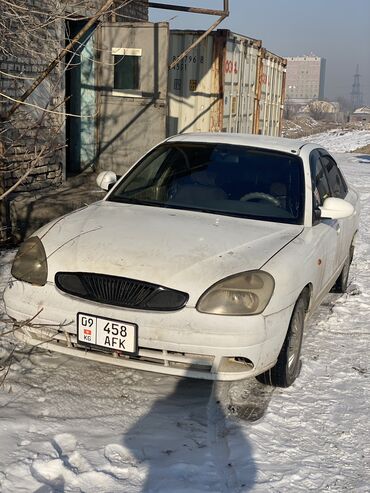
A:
341, 284
288, 364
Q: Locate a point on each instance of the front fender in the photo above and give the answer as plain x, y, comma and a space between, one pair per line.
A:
293, 268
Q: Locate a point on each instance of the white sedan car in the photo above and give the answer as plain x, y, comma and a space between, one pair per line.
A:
204, 260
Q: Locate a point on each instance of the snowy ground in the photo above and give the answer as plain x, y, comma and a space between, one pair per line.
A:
341, 140
75, 426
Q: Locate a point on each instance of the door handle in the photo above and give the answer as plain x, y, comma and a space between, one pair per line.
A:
337, 228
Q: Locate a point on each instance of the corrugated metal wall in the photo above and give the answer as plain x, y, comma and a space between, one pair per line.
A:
240, 87
227, 83
192, 93
271, 97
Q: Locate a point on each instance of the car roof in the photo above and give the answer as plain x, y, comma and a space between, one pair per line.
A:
292, 146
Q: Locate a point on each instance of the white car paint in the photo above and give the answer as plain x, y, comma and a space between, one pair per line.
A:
187, 251
163, 246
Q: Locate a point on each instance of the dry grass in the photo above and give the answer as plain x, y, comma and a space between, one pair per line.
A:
363, 150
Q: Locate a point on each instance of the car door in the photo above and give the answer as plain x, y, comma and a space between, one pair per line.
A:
325, 231
339, 189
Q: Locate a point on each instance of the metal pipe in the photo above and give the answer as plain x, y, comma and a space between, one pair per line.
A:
194, 10
196, 43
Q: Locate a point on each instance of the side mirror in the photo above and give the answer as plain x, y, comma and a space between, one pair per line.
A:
106, 179
334, 208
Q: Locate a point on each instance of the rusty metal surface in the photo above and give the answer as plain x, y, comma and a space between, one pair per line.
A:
217, 110
272, 94
240, 87
235, 85
196, 42
283, 89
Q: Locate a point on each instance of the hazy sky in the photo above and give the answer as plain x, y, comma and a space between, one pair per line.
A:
338, 30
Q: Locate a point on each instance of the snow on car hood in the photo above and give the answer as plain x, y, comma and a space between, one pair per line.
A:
185, 250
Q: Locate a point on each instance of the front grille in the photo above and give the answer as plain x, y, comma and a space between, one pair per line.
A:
120, 291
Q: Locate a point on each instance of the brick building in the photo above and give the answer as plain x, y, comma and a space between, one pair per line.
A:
33, 140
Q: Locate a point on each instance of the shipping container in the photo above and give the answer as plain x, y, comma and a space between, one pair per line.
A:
271, 94
227, 83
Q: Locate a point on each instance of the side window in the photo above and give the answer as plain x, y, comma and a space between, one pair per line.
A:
320, 186
336, 182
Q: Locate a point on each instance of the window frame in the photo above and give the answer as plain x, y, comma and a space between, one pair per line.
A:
325, 154
133, 52
314, 154
298, 220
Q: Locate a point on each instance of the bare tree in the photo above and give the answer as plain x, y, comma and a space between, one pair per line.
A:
32, 106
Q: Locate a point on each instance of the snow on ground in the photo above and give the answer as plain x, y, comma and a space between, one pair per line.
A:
68, 425
341, 140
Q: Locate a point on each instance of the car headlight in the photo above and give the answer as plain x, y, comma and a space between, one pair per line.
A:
247, 293
30, 264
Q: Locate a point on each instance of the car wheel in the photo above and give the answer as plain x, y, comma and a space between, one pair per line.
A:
341, 283
288, 364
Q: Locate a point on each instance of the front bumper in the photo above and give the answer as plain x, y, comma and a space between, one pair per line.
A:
182, 343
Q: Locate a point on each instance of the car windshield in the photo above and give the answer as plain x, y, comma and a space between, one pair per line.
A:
217, 178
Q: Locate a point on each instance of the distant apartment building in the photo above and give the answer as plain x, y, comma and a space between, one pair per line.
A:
305, 79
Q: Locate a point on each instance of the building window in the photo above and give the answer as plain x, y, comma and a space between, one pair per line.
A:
126, 63
126, 72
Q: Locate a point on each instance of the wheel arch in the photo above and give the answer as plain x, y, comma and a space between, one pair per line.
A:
353, 244
306, 293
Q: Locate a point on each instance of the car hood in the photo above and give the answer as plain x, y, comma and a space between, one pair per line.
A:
184, 250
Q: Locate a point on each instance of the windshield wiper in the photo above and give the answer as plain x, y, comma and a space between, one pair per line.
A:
132, 200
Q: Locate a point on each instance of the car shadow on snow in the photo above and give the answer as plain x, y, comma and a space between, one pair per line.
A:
192, 441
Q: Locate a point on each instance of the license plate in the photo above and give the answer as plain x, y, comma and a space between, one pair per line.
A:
107, 333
